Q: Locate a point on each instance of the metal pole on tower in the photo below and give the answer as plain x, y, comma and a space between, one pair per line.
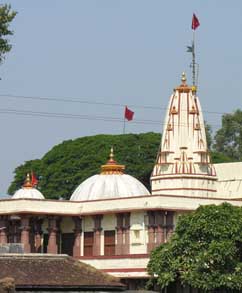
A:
191, 49
193, 61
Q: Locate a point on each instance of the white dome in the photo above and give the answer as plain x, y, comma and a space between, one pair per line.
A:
109, 186
26, 192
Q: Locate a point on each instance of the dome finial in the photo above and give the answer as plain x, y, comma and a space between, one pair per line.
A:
27, 182
111, 156
184, 78
112, 167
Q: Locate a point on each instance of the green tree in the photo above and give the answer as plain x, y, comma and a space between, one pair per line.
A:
6, 16
205, 251
228, 139
68, 164
221, 158
209, 137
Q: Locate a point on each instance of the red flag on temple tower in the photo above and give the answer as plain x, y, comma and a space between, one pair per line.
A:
128, 114
34, 180
195, 22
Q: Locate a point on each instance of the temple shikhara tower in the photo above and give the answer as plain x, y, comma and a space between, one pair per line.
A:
183, 165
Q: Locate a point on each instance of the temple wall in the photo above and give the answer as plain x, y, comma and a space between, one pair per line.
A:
138, 233
185, 187
117, 263
109, 222
87, 225
166, 202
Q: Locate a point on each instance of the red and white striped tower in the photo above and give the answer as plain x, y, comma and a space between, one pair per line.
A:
183, 165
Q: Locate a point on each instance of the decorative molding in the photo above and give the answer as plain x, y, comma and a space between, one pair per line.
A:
125, 270
115, 256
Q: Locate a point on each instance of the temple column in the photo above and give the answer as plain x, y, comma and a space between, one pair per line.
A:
151, 238
38, 235
3, 230
169, 224
151, 231
126, 247
160, 233
77, 237
169, 232
52, 243
25, 233
97, 234
119, 229
119, 245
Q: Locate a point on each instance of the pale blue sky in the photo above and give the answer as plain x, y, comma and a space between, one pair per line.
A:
113, 51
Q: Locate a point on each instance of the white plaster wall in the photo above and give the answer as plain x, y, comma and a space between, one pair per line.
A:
109, 222
137, 233
184, 184
117, 263
88, 224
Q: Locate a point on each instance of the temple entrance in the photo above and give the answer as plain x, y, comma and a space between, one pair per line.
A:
14, 232
67, 243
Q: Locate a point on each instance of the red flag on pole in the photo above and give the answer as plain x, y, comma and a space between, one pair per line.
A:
195, 22
128, 114
34, 180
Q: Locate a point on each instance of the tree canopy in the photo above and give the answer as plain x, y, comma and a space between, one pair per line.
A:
228, 139
205, 251
66, 165
6, 16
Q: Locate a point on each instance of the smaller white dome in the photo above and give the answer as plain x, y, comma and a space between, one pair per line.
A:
28, 190
28, 193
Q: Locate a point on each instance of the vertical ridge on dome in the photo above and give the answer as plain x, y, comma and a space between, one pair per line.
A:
183, 163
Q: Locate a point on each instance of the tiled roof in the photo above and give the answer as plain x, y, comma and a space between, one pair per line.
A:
54, 271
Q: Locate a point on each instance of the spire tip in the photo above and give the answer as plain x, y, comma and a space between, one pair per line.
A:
183, 78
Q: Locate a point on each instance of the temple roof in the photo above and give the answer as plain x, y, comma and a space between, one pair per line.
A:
229, 183
55, 271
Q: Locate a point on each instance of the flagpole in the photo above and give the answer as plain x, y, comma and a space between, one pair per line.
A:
195, 25
193, 61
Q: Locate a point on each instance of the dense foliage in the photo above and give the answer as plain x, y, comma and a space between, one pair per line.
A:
209, 136
6, 16
205, 252
228, 139
64, 167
